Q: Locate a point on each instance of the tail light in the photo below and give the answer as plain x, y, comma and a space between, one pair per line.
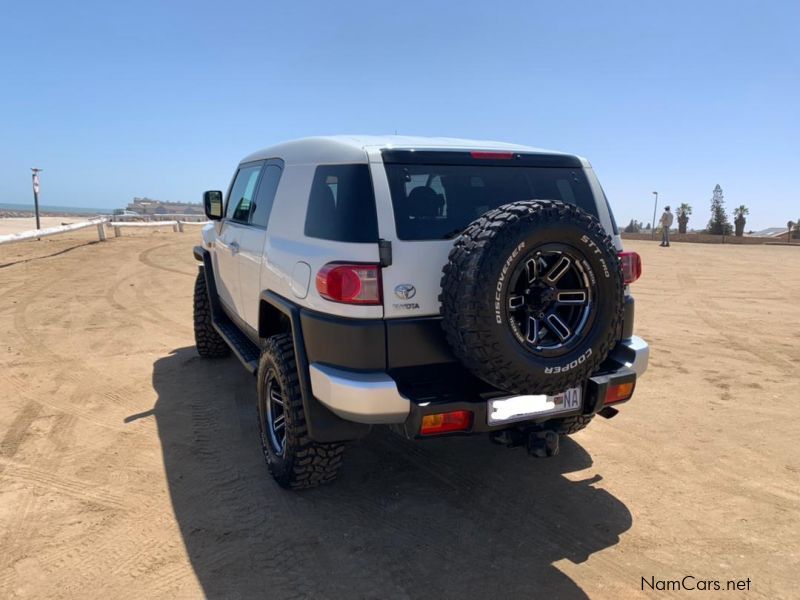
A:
350, 283
619, 392
631, 266
457, 420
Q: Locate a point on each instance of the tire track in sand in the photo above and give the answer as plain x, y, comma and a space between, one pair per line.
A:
144, 258
703, 311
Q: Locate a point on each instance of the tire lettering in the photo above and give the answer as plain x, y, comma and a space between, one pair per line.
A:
594, 247
590, 271
569, 366
596, 250
498, 304
605, 268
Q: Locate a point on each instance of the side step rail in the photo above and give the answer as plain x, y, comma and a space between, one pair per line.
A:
245, 350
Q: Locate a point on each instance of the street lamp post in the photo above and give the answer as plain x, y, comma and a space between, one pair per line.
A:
36, 194
655, 209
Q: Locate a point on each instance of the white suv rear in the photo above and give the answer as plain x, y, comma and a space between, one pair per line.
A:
438, 286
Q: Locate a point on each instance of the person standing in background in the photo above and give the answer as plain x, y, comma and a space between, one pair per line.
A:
666, 223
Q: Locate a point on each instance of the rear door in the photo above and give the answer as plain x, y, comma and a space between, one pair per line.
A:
432, 195
229, 240
411, 283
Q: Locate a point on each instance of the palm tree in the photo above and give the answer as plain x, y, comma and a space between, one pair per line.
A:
684, 210
739, 220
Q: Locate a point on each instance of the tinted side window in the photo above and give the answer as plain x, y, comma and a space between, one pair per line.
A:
341, 205
241, 196
266, 195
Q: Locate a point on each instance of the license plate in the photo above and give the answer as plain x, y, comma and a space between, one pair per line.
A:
519, 408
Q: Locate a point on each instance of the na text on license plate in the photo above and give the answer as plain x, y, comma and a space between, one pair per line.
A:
519, 408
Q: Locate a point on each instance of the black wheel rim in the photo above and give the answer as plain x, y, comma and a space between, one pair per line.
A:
550, 300
274, 414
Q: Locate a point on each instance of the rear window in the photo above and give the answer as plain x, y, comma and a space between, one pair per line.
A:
437, 201
341, 205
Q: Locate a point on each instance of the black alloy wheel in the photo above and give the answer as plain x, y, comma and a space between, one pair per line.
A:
550, 298
274, 414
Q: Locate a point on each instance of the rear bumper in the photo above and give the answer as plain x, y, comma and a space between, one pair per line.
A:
633, 353
374, 397
370, 397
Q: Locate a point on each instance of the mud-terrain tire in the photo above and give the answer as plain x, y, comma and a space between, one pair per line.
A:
569, 425
504, 311
298, 462
208, 341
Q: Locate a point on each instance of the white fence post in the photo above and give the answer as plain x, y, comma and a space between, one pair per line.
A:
36, 234
119, 225
161, 217
99, 223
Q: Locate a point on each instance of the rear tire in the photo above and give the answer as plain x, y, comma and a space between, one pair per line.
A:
209, 343
294, 459
570, 425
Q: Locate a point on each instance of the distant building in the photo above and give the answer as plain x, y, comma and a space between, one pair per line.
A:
149, 206
771, 232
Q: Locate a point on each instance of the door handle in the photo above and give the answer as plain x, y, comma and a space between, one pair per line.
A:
234, 246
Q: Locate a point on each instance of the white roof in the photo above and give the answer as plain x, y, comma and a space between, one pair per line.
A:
352, 148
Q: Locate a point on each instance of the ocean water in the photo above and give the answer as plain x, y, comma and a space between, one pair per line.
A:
48, 208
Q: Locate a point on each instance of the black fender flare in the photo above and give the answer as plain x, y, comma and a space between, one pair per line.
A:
204, 256
323, 425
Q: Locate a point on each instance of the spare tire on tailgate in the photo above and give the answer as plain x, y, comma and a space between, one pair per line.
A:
532, 296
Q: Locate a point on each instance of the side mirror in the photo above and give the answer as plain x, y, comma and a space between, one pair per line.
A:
212, 203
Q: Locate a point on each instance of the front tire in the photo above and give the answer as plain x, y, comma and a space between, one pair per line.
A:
294, 459
209, 343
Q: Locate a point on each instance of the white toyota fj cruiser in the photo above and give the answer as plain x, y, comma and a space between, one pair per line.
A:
438, 286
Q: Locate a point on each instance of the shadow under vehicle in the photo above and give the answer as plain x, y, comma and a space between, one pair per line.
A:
446, 518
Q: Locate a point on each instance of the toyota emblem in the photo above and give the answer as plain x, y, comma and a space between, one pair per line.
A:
405, 291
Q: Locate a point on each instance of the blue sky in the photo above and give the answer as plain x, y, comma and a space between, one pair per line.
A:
163, 98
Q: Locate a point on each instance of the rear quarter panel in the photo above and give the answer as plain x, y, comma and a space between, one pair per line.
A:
286, 244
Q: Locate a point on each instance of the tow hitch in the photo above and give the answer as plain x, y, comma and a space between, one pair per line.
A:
543, 444
609, 412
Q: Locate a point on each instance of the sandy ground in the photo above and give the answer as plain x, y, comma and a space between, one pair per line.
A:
129, 467
18, 224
